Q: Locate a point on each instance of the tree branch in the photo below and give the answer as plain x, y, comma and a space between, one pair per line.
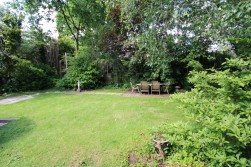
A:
67, 23
73, 22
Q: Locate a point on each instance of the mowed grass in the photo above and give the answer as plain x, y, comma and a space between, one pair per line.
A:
79, 130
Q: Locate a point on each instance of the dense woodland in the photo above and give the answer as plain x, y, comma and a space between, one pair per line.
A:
202, 46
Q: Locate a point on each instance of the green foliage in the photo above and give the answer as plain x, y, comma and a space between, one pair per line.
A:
33, 47
177, 36
6, 67
22, 56
111, 45
81, 68
10, 31
138, 70
219, 130
27, 76
66, 45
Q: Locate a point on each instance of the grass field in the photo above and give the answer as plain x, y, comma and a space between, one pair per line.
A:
69, 130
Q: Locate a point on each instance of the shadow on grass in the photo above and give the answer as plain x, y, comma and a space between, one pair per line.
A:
15, 129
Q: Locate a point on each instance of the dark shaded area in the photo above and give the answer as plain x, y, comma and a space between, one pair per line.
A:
15, 129
6, 120
246, 152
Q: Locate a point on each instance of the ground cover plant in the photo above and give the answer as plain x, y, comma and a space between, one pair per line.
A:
75, 130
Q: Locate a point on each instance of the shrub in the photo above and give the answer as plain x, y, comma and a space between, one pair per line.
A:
219, 110
22, 75
27, 76
85, 70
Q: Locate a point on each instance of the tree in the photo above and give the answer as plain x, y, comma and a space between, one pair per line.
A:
218, 107
177, 36
22, 55
112, 45
11, 31
79, 19
74, 17
10, 37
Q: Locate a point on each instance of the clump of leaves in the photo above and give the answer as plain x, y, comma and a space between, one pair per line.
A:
218, 132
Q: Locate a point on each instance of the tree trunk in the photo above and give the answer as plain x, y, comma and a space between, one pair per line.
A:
77, 40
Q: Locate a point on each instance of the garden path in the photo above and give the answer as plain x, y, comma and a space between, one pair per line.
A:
16, 99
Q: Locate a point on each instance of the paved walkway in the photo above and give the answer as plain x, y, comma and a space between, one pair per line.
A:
16, 99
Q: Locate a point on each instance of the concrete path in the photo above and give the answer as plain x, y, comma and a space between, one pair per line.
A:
12, 100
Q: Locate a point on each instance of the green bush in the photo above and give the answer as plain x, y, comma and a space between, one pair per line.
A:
26, 76
85, 70
218, 132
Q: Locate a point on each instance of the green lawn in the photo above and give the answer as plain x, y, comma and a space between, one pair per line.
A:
67, 130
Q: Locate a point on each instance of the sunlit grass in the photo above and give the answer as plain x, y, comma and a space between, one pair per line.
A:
69, 130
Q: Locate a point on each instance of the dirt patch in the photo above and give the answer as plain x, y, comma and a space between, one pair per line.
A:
81, 160
154, 160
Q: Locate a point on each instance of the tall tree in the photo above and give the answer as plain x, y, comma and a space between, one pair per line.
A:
79, 15
74, 16
111, 45
10, 41
175, 36
11, 31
